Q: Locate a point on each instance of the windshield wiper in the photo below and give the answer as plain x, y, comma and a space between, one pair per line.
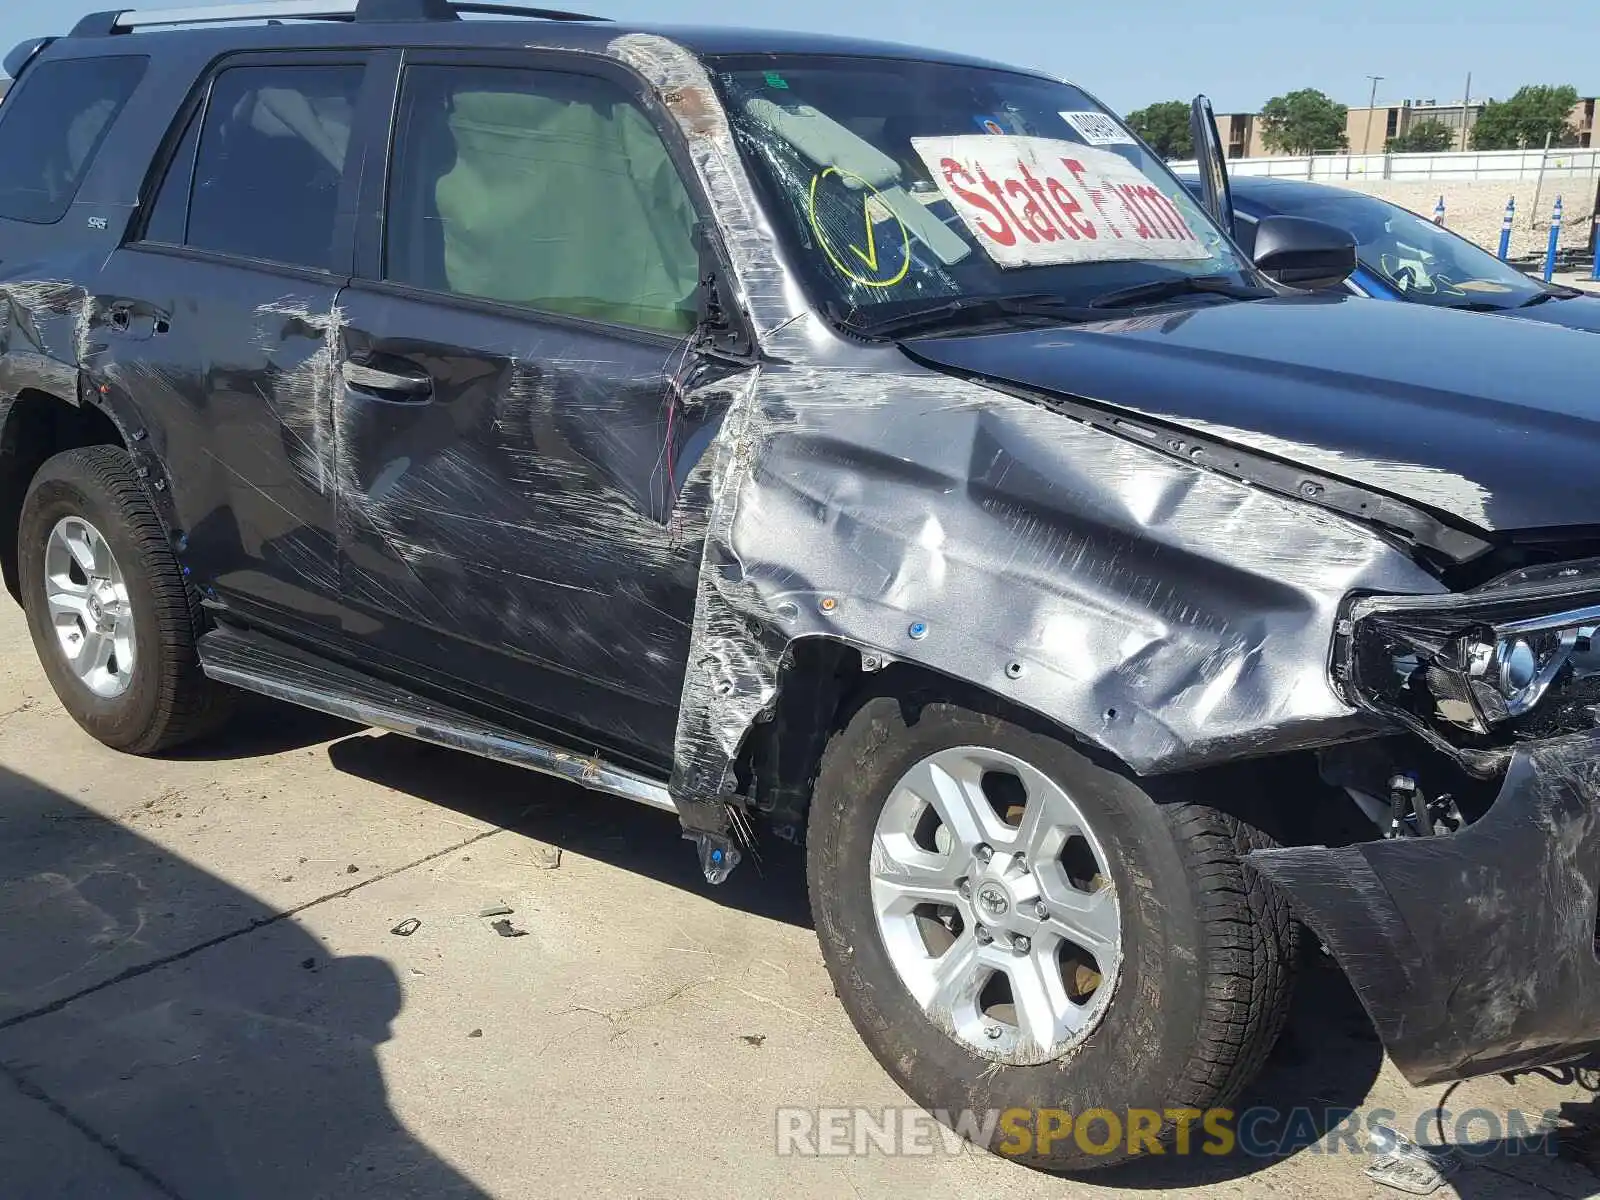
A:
967, 310
1184, 285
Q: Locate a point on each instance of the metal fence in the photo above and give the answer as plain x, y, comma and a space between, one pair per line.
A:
1504, 166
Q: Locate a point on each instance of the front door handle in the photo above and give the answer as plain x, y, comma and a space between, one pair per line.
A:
359, 376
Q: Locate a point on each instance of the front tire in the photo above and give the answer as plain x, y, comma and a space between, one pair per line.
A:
112, 618
1011, 925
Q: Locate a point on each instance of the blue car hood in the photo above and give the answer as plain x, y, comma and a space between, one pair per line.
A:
1491, 425
1575, 312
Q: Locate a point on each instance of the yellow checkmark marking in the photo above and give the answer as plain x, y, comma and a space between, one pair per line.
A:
869, 256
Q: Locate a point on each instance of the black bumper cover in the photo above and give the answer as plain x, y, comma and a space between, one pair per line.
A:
1473, 953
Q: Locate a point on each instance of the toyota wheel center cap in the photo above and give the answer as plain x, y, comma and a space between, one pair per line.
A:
992, 900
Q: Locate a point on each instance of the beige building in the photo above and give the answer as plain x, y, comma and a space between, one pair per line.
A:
1369, 129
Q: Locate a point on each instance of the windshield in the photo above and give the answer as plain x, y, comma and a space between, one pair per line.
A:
900, 185
1420, 260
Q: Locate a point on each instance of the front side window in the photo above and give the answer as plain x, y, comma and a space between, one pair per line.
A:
898, 184
543, 190
1417, 258
51, 129
270, 163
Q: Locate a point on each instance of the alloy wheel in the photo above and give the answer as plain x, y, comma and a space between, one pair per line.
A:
994, 901
89, 607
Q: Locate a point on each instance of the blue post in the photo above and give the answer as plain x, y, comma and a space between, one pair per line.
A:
1505, 228
1438, 212
1555, 238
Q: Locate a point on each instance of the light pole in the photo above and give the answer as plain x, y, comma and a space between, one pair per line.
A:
1372, 101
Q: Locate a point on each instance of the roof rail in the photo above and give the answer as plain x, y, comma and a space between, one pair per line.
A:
102, 24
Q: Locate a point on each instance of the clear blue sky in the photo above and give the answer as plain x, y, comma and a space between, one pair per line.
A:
1240, 52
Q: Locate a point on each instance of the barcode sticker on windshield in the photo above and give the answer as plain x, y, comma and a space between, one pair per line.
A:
1033, 202
1098, 129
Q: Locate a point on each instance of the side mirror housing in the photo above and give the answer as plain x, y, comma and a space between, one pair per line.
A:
1301, 253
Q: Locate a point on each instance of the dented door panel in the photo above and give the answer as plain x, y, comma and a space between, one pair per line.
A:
525, 514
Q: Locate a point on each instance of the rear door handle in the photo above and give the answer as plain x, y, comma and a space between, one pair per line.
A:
356, 375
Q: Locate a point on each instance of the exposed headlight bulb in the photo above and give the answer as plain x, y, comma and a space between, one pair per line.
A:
1519, 667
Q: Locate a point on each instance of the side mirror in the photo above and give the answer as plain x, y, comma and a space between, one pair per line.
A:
1305, 254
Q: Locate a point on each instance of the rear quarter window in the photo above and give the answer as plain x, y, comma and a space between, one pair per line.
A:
51, 127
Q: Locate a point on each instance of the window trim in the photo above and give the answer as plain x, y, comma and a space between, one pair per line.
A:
197, 106
378, 182
192, 111
19, 88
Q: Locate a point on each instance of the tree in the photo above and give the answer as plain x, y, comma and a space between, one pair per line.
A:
1303, 122
1526, 118
1166, 127
1422, 138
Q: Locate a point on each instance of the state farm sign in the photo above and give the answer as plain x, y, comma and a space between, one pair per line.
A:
1033, 202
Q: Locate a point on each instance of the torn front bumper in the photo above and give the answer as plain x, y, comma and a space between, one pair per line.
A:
1475, 952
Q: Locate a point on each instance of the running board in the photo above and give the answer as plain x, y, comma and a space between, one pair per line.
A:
258, 663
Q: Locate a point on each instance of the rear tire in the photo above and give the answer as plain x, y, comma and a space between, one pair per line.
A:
161, 700
1201, 987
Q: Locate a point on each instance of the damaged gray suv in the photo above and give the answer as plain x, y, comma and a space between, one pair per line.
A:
834, 443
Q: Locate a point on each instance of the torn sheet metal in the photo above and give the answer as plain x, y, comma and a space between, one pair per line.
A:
1474, 953
1174, 616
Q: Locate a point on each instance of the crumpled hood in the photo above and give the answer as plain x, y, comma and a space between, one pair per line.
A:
1494, 424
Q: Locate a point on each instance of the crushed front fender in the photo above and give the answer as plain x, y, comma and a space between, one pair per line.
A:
1473, 953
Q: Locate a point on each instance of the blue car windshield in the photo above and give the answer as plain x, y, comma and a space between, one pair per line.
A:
1423, 262
896, 185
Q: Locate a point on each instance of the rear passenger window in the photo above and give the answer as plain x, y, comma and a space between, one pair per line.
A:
539, 189
270, 162
52, 127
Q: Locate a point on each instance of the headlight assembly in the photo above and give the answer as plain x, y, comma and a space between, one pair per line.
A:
1516, 658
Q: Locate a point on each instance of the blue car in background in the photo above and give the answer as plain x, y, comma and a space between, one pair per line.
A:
1404, 257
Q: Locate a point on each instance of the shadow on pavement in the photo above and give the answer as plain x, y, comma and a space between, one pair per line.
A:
260, 726
146, 1049
621, 833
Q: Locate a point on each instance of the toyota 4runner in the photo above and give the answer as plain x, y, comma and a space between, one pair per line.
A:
839, 443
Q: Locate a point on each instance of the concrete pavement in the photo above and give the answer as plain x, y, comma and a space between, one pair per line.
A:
201, 996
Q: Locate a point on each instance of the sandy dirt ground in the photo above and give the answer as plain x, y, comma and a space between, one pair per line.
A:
201, 996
